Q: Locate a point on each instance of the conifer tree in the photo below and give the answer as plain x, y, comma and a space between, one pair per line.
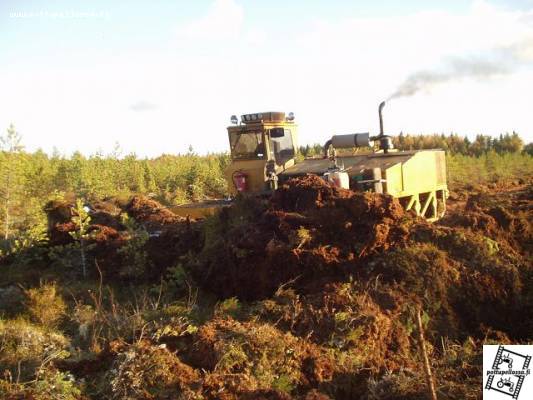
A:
82, 221
10, 175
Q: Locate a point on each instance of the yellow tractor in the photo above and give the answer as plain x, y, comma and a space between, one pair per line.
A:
263, 153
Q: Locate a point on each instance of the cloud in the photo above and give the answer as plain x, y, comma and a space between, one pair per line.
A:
521, 51
143, 105
255, 37
527, 18
223, 20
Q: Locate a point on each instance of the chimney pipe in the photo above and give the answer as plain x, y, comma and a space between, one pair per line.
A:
385, 141
382, 104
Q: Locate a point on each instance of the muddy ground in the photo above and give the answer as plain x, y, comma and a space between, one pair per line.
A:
311, 294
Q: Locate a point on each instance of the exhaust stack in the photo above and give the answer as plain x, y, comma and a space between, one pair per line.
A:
385, 141
361, 139
382, 104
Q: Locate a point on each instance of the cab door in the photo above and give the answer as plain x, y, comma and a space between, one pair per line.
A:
281, 147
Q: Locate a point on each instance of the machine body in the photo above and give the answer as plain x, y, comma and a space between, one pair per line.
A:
264, 149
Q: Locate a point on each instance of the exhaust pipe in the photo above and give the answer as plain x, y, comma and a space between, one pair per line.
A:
361, 139
381, 105
385, 141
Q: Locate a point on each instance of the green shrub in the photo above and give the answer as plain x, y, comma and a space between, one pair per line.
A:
55, 385
45, 305
135, 257
229, 307
51, 384
67, 257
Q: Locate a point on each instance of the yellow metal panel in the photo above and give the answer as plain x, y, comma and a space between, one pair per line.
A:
255, 174
419, 173
406, 172
394, 180
199, 210
440, 164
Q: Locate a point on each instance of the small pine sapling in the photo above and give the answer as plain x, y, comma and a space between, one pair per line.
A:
82, 220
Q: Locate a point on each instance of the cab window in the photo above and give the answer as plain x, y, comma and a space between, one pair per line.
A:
247, 145
281, 146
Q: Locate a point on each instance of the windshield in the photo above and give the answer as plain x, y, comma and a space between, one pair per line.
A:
247, 145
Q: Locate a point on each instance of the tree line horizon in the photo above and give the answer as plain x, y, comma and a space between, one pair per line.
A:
30, 180
453, 143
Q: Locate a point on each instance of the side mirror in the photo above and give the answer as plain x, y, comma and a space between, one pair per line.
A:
277, 132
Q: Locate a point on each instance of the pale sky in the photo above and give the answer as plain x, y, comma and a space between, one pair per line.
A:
159, 76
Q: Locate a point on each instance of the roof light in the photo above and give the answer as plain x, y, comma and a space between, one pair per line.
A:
234, 120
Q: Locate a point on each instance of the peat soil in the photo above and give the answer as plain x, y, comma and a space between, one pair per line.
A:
314, 293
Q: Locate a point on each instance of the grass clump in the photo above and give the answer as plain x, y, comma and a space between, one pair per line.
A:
267, 357
26, 348
147, 371
45, 305
51, 384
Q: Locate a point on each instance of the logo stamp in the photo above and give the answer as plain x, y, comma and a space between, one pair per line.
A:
506, 372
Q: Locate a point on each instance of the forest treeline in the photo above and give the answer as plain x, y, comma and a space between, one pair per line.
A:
28, 180
452, 143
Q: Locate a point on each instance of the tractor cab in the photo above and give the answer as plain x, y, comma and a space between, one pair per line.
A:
262, 146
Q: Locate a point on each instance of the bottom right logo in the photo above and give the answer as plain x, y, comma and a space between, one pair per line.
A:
506, 372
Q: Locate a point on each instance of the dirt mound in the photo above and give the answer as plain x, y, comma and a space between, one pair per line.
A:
303, 194
105, 219
349, 317
103, 233
312, 192
309, 232
263, 354
470, 271
59, 215
174, 242
150, 213
344, 216
506, 218
157, 240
